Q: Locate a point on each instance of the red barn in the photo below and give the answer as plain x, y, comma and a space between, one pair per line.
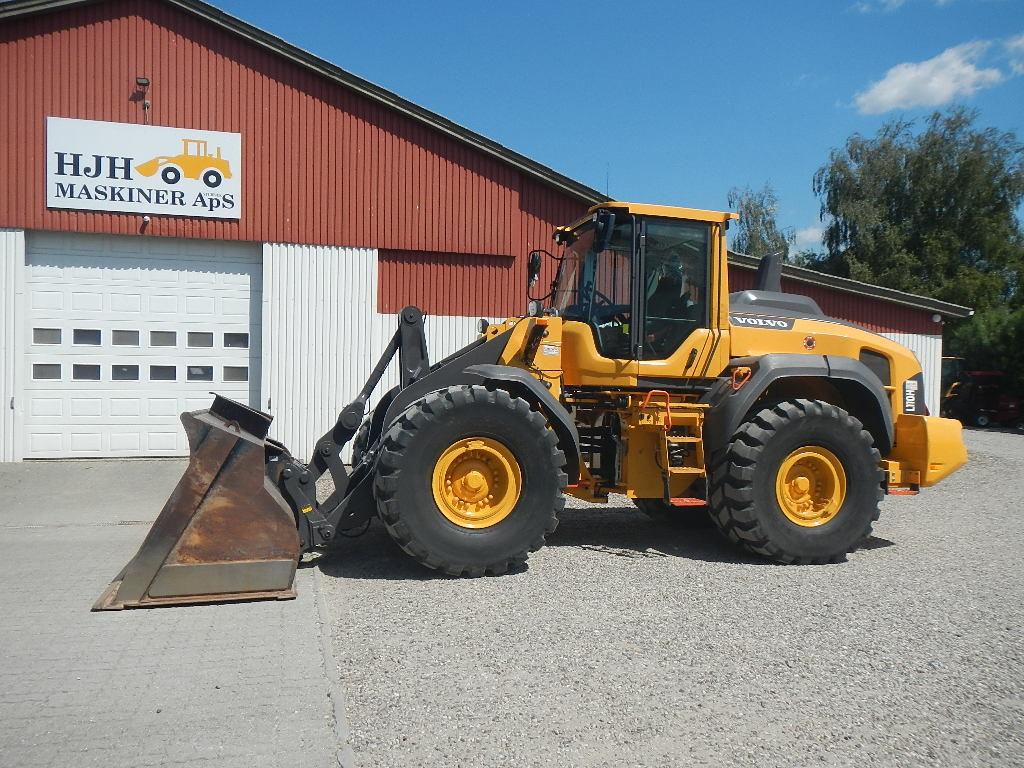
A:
190, 203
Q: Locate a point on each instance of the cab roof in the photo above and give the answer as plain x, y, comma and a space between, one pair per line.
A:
667, 211
645, 209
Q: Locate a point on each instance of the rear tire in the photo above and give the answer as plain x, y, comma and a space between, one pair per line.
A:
413, 452
750, 482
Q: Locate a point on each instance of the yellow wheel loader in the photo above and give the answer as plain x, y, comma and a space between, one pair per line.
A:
194, 162
637, 374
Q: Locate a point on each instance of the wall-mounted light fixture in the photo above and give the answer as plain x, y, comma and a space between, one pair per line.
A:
142, 86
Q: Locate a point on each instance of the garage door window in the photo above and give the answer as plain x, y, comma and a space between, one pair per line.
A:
46, 370
239, 340
125, 338
163, 338
124, 372
46, 335
236, 373
88, 336
200, 373
85, 372
163, 373
200, 338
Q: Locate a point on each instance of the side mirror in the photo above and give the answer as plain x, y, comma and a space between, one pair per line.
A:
532, 269
604, 229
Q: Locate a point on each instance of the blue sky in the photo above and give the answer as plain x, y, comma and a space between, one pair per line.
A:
676, 102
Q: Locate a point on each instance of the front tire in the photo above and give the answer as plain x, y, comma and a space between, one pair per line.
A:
800, 482
212, 178
170, 174
469, 481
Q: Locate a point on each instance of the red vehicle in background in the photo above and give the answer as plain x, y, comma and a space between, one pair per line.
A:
982, 399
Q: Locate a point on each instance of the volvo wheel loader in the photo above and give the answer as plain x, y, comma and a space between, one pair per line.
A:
637, 374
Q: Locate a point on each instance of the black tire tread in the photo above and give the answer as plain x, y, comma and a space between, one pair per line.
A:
393, 457
731, 487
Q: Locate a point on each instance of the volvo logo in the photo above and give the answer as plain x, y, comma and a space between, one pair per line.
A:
754, 321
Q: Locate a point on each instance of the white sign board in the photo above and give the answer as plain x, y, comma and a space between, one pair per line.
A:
98, 166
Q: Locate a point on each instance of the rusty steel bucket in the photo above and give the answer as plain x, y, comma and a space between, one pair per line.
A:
225, 533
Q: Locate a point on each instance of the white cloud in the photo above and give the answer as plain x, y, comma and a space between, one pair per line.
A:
1015, 50
808, 238
886, 6
931, 83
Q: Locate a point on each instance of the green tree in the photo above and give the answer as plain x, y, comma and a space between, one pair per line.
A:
934, 212
931, 213
758, 233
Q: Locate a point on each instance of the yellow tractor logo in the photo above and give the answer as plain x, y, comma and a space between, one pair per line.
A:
194, 162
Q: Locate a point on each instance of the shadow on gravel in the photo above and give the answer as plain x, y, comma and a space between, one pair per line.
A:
877, 542
616, 532
371, 556
625, 532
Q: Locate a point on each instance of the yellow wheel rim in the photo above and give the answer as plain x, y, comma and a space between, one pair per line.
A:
476, 482
811, 486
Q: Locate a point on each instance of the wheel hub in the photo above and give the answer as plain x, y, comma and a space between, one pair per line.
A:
476, 482
811, 486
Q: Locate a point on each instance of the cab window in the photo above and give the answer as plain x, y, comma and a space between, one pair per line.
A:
675, 284
595, 288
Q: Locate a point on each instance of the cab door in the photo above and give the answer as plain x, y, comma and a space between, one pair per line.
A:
680, 293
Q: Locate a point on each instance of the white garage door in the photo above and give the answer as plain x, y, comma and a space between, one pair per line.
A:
125, 333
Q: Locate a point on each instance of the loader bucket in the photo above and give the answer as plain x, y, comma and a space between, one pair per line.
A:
149, 167
225, 533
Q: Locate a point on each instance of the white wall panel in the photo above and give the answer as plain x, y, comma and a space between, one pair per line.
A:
12, 291
928, 348
318, 334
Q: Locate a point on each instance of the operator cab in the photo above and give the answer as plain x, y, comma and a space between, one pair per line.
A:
638, 276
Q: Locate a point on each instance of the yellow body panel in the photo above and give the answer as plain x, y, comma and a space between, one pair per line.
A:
822, 337
928, 449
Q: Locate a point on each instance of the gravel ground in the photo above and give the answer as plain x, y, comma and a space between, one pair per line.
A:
629, 643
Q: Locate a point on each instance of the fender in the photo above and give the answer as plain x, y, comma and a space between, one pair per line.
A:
519, 383
852, 377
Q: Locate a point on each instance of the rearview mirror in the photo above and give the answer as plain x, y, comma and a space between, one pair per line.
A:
532, 269
605, 226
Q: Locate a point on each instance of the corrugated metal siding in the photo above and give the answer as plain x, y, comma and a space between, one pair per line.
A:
318, 331
475, 284
322, 164
928, 349
12, 289
871, 313
449, 283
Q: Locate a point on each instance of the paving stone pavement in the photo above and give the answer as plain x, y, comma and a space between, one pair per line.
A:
228, 685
